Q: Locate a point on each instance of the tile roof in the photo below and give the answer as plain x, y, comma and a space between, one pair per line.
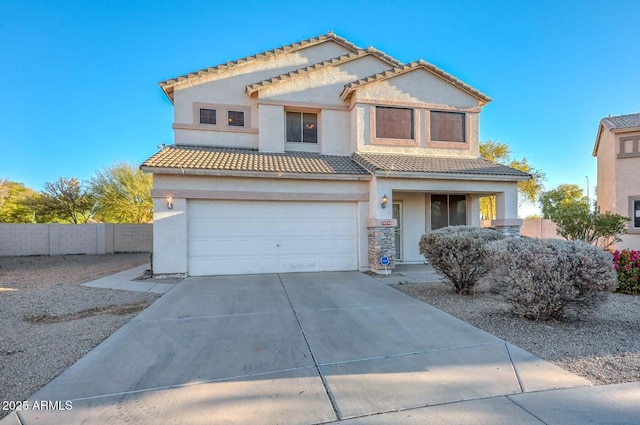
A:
167, 85
402, 69
622, 121
201, 158
615, 123
252, 88
435, 165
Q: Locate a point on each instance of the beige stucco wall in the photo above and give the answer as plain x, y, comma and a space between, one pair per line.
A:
323, 86
618, 180
271, 122
228, 88
419, 86
606, 162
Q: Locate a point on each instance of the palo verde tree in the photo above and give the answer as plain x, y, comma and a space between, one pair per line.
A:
17, 203
66, 199
563, 195
528, 191
123, 194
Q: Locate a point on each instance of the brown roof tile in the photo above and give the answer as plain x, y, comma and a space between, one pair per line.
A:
202, 158
434, 165
402, 69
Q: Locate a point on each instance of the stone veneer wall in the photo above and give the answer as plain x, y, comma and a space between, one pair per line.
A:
513, 231
382, 242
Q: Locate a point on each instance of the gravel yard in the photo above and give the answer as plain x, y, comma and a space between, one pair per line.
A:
603, 347
48, 321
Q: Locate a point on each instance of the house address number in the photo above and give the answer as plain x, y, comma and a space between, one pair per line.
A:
385, 222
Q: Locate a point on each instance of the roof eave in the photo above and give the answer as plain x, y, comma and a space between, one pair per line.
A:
450, 176
624, 129
597, 144
250, 174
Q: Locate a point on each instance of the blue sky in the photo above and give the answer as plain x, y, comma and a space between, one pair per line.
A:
80, 77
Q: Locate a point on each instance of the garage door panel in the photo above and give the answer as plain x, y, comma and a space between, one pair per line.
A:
233, 237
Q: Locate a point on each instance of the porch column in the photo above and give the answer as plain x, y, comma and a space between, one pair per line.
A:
382, 243
381, 226
507, 220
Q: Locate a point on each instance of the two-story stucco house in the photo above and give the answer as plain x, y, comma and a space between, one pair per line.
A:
318, 156
617, 149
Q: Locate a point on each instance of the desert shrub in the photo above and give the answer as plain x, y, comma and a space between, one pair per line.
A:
455, 252
548, 278
627, 265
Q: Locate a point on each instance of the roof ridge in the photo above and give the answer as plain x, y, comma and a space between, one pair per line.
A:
410, 66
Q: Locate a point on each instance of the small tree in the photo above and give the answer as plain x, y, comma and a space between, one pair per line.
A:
66, 199
528, 191
455, 252
575, 222
16, 203
563, 195
123, 194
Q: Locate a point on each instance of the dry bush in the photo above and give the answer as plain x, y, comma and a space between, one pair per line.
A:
544, 279
455, 252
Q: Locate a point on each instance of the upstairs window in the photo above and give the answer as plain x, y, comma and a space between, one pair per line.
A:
447, 127
208, 116
394, 123
302, 127
235, 118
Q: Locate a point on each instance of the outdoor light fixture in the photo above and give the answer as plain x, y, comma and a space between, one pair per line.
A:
384, 201
169, 203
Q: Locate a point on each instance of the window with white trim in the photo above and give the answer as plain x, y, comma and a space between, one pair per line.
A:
635, 209
302, 127
394, 123
447, 126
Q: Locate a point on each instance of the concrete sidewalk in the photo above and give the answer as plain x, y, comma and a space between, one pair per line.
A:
125, 281
316, 348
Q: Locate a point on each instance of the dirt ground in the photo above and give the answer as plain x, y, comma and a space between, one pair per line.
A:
48, 321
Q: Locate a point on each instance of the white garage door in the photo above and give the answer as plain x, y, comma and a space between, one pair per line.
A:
238, 237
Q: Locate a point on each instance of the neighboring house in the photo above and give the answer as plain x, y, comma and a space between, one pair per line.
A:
617, 148
318, 156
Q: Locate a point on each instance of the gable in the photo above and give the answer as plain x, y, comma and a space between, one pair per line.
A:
419, 86
271, 62
432, 83
323, 85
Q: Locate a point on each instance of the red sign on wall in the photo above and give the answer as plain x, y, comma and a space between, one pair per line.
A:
385, 222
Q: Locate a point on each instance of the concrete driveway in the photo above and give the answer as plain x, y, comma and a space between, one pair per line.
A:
314, 348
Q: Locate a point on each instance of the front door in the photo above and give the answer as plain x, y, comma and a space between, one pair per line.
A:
397, 215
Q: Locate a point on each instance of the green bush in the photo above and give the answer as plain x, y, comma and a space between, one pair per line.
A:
455, 252
627, 264
544, 279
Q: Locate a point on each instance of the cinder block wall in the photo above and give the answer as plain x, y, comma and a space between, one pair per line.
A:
132, 238
24, 239
534, 228
61, 239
